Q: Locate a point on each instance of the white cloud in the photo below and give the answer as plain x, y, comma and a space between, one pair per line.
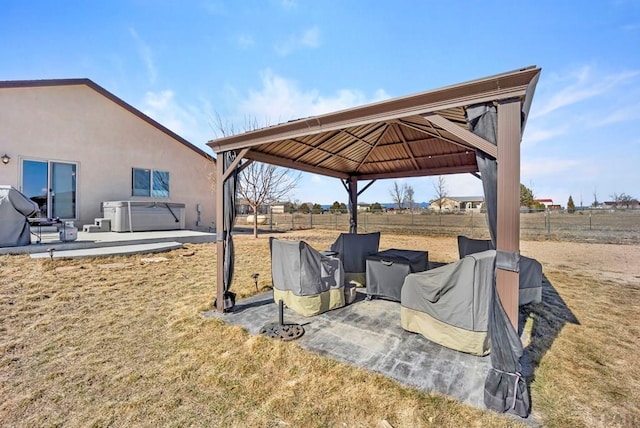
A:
289, 4
620, 115
549, 167
534, 135
215, 8
316, 179
245, 41
281, 99
583, 84
309, 38
189, 122
145, 55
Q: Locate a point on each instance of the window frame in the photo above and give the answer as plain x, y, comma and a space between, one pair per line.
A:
151, 191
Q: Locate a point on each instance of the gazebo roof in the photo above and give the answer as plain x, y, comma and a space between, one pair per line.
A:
416, 135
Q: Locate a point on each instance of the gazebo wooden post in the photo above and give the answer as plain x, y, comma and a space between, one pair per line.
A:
353, 204
508, 239
220, 233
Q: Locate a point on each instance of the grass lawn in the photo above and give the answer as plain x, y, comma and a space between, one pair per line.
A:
121, 341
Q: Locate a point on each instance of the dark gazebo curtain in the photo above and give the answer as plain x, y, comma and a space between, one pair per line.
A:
229, 206
505, 390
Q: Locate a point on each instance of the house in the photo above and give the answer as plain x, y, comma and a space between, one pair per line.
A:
71, 145
628, 203
546, 202
458, 204
364, 207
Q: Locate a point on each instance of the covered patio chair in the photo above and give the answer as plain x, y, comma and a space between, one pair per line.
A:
15, 208
353, 250
305, 280
449, 305
530, 282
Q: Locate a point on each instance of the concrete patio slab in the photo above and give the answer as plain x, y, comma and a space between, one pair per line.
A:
368, 334
110, 239
109, 251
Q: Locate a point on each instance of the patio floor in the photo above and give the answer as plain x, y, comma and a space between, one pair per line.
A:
88, 241
368, 334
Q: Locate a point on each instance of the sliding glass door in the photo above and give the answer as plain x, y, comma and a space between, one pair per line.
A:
52, 185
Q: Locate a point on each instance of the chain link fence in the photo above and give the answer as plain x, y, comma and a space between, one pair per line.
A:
603, 226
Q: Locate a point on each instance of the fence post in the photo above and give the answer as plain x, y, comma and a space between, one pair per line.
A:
471, 224
589, 219
310, 219
547, 216
292, 225
270, 219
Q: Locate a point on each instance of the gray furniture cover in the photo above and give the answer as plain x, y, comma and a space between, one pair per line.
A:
353, 250
530, 281
387, 270
449, 305
15, 208
305, 280
468, 246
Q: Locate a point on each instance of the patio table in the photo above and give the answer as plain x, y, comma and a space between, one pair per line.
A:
387, 270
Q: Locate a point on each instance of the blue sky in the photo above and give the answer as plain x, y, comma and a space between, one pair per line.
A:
185, 62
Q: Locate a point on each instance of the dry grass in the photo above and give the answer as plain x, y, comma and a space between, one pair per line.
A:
590, 374
118, 341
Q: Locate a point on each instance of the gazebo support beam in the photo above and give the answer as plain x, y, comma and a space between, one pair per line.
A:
220, 232
508, 234
352, 188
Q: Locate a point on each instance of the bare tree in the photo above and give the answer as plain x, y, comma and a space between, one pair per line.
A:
622, 200
259, 184
398, 194
440, 187
263, 184
408, 197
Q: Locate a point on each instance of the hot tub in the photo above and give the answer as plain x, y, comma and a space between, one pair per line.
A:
140, 216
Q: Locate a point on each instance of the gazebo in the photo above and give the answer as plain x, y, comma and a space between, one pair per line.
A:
473, 127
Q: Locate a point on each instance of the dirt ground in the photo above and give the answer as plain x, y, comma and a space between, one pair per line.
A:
608, 261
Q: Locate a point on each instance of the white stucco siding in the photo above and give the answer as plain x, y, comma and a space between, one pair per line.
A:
78, 124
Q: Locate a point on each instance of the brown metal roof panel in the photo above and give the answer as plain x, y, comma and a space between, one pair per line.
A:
387, 166
338, 143
288, 149
313, 157
385, 153
456, 114
356, 148
434, 146
339, 164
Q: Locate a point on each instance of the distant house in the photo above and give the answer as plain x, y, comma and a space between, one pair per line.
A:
364, 207
546, 202
632, 204
71, 145
458, 204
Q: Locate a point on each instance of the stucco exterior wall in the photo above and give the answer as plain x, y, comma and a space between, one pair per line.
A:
78, 124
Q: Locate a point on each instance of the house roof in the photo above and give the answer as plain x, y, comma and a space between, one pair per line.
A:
416, 135
466, 198
91, 84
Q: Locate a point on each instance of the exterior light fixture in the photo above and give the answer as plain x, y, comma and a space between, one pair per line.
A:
5, 158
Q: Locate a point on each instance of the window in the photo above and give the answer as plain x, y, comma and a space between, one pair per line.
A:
149, 182
52, 185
